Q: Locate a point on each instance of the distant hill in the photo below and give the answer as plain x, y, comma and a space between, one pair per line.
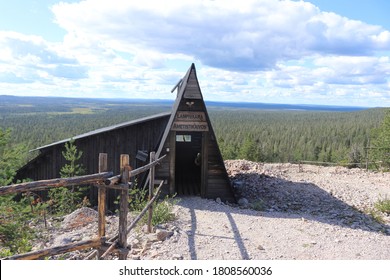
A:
7, 100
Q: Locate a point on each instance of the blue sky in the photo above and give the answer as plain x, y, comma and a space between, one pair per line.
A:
299, 52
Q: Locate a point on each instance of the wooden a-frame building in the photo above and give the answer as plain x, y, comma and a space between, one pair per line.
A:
193, 165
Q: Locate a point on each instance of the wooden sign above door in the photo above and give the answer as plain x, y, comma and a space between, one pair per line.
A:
190, 121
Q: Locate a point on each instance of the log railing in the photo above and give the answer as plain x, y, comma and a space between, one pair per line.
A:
103, 180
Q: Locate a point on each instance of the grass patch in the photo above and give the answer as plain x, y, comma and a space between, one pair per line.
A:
258, 205
383, 205
162, 208
376, 215
76, 110
163, 211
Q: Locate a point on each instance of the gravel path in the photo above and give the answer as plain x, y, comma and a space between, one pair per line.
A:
302, 212
308, 213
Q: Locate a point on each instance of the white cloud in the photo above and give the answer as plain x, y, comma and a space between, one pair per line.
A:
234, 35
254, 50
32, 55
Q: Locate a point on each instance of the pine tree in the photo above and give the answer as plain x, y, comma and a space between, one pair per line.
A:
381, 142
67, 200
11, 157
72, 155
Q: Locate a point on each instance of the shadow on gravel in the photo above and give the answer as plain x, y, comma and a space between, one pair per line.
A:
278, 198
277, 195
193, 233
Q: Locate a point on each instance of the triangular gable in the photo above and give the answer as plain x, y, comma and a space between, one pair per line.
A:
181, 88
189, 113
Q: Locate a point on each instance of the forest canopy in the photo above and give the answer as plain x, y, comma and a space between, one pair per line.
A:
266, 135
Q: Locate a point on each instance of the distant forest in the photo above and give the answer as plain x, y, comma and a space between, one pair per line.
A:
274, 134
292, 136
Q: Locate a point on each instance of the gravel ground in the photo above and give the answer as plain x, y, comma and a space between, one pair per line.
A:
302, 212
307, 213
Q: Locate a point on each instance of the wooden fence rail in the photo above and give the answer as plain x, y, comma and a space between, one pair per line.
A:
93, 243
55, 183
102, 180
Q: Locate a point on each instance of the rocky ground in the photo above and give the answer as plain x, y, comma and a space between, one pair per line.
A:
285, 211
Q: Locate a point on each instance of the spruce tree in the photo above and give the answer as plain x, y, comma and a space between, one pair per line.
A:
66, 200
381, 142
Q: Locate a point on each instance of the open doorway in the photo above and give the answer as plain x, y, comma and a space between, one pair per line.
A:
188, 163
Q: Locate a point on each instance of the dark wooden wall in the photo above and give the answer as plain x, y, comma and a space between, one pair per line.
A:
126, 140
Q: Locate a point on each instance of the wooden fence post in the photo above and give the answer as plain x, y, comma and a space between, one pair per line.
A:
151, 187
123, 207
102, 201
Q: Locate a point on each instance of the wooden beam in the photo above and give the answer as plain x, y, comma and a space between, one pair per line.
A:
113, 180
123, 207
55, 183
117, 178
151, 187
143, 212
102, 200
134, 222
108, 250
172, 163
177, 85
82, 245
146, 167
140, 215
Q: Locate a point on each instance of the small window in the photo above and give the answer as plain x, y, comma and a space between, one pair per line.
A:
183, 138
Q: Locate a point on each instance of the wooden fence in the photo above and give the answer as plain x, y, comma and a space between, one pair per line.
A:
103, 180
324, 163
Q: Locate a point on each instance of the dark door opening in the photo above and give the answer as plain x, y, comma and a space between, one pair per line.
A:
188, 163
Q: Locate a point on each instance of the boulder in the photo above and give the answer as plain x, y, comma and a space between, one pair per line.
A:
80, 218
243, 202
163, 234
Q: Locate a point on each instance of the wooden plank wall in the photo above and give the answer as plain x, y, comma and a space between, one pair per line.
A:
217, 180
126, 140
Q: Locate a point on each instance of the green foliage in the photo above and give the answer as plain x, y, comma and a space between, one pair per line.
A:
381, 142
376, 215
162, 208
137, 199
258, 205
355, 156
66, 200
250, 149
42, 121
11, 157
383, 205
291, 136
72, 155
15, 232
163, 211
260, 135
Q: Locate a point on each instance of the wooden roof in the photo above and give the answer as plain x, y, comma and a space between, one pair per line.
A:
106, 129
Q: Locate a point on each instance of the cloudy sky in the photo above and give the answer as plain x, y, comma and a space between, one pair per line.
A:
298, 52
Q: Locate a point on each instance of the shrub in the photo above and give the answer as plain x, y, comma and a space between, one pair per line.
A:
15, 232
163, 211
383, 205
66, 200
162, 208
258, 205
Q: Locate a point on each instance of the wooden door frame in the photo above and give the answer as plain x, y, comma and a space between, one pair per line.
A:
204, 167
205, 162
